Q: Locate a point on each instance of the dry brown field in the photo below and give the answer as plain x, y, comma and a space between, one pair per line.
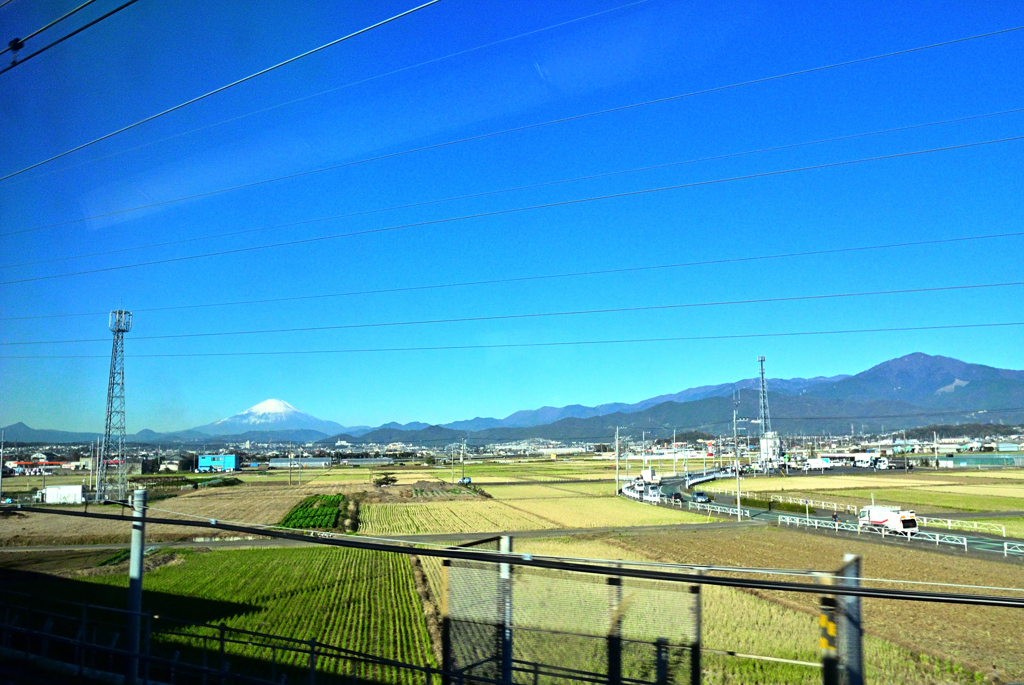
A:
976, 637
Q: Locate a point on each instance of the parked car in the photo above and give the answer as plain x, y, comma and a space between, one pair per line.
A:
701, 497
465, 481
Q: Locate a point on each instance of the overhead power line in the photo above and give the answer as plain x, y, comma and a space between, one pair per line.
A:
535, 315
352, 83
67, 36
500, 212
620, 108
522, 279
215, 90
568, 343
35, 33
504, 190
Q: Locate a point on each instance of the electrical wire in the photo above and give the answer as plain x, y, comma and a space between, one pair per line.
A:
615, 562
576, 117
562, 203
528, 560
519, 279
67, 36
347, 85
534, 315
500, 191
219, 89
52, 23
566, 343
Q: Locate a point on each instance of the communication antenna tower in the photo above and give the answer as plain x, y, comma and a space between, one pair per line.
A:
766, 419
112, 475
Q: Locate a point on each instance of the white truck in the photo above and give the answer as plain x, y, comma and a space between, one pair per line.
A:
863, 460
817, 464
649, 476
891, 519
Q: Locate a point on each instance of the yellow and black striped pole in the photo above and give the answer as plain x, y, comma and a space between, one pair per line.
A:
827, 642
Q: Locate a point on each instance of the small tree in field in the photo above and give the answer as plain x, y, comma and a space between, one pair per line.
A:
385, 479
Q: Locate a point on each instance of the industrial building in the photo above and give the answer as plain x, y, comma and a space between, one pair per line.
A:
304, 462
217, 462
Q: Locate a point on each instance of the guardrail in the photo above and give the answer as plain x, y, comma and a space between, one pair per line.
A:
717, 508
937, 538
950, 524
1015, 548
631, 493
817, 504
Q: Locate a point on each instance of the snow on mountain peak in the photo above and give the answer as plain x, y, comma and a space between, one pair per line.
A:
271, 407
270, 415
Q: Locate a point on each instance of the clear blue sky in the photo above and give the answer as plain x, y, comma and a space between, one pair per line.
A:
158, 53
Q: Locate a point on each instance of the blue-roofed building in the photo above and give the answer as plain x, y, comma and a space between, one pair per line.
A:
217, 462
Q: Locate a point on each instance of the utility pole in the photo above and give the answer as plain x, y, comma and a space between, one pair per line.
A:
739, 515
2, 436
452, 457
616, 460
463, 460
735, 438
135, 570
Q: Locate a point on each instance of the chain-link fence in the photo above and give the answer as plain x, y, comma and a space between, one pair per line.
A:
517, 624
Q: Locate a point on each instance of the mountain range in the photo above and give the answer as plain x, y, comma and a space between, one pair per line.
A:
907, 392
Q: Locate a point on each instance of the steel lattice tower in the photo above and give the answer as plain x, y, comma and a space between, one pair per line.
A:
766, 419
112, 478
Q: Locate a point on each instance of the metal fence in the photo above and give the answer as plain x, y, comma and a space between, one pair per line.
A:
950, 524
817, 504
716, 508
504, 618
523, 625
918, 535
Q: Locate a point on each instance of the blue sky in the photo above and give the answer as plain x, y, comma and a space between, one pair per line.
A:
368, 97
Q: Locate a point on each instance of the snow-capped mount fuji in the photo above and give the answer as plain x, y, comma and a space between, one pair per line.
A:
270, 415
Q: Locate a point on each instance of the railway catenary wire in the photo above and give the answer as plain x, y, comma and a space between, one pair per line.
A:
563, 343
487, 193
532, 315
66, 36
51, 24
531, 561
576, 117
519, 279
337, 88
219, 89
514, 210
615, 562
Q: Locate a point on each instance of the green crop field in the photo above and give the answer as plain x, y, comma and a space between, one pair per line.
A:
358, 600
316, 511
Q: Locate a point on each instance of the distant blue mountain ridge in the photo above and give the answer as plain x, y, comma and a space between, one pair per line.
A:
913, 390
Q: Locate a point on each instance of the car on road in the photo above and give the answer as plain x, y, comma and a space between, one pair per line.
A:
700, 497
678, 496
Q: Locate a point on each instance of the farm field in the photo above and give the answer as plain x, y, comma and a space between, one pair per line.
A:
987, 490
561, 510
554, 490
359, 600
1014, 526
263, 505
927, 499
445, 517
981, 637
1008, 474
749, 623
